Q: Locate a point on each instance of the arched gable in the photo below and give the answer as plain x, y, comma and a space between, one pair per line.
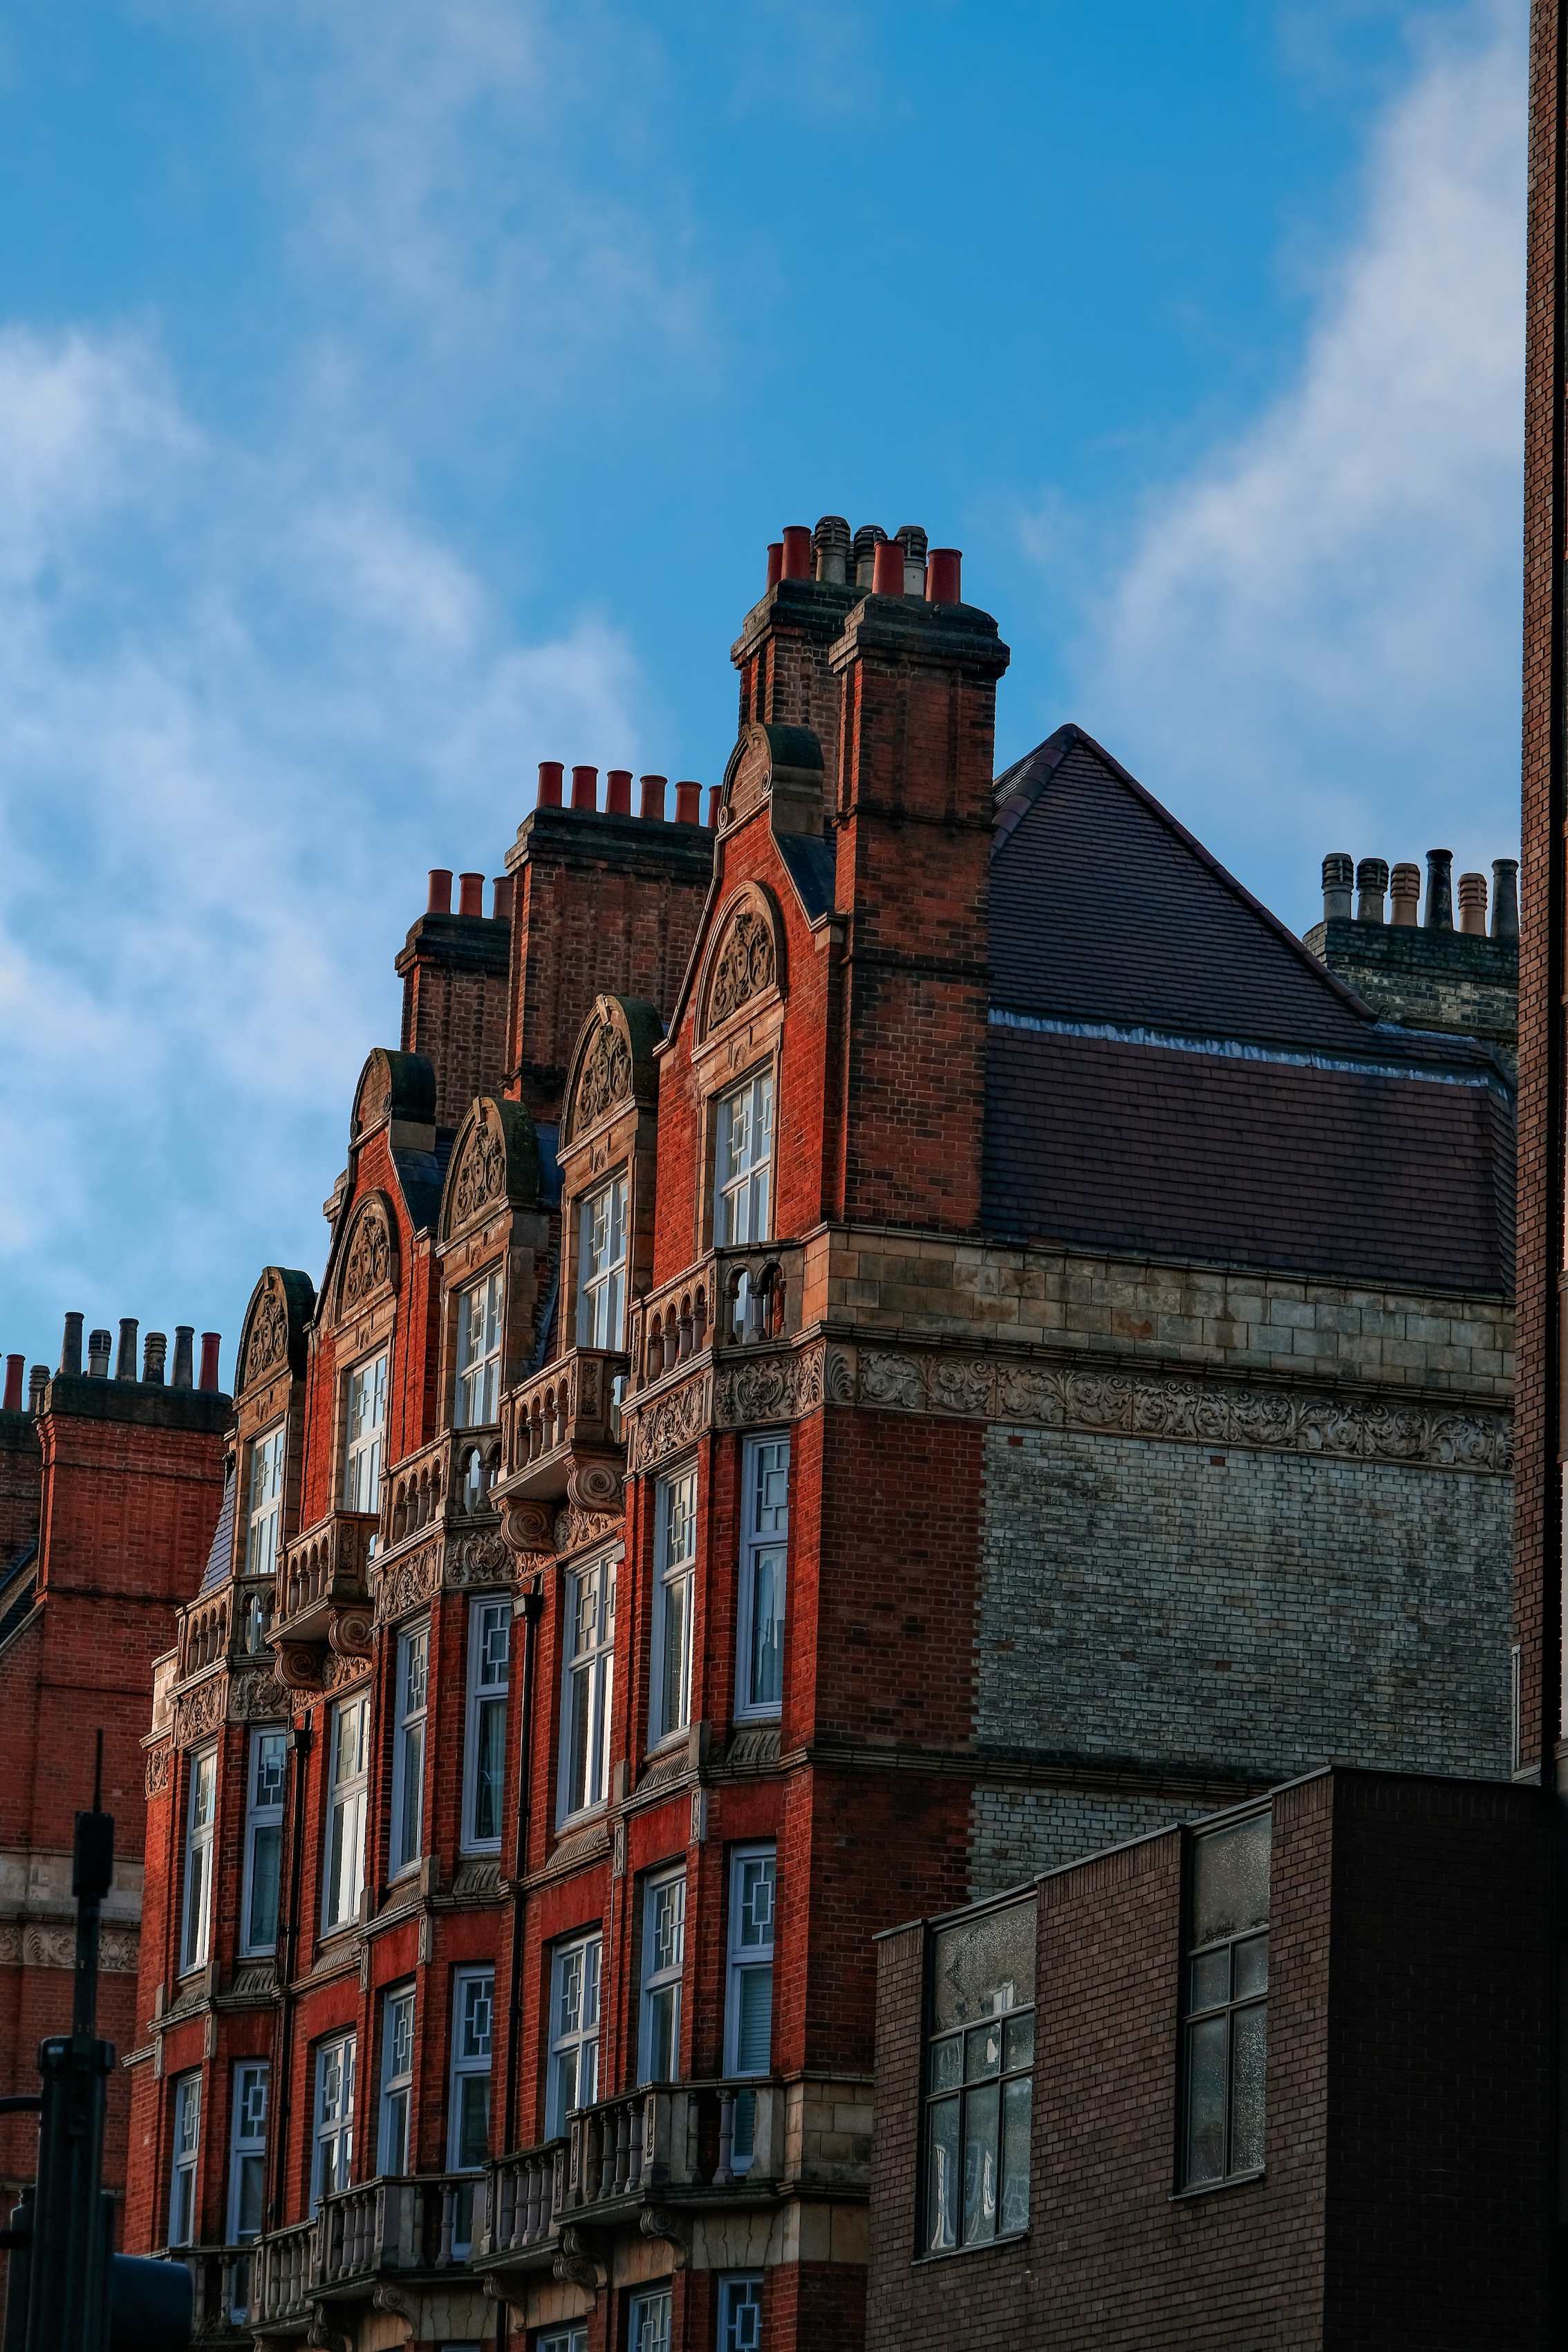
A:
272, 1338
399, 1087
369, 1260
612, 1064
744, 963
494, 1159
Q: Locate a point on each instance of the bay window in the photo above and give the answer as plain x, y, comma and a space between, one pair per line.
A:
675, 1544
663, 1965
602, 1265
478, 1400
366, 1423
589, 1600
195, 1932
263, 1838
764, 1548
484, 1744
980, 2056
349, 1759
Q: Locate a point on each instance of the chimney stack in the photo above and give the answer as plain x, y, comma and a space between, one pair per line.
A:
100, 1346
550, 775
154, 1352
653, 796
1371, 881
70, 1347
15, 1366
1338, 875
1505, 897
439, 902
209, 1360
1473, 905
1404, 889
1439, 890
125, 1363
185, 1334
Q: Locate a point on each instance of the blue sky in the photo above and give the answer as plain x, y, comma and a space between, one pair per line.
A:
393, 396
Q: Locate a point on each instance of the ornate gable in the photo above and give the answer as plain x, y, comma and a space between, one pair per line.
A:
494, 1163
399, 1087
273, 1338
370, 1254
745, 962
612, 1064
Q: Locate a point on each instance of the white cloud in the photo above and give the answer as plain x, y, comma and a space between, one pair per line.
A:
1335, 595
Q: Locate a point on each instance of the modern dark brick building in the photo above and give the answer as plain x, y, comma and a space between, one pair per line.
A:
866, 1350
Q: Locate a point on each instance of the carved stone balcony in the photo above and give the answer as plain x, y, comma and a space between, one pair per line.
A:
731, 1298
561, 1432
323, 1589
420, 2223
230, 1624
448, 1484
221, 2289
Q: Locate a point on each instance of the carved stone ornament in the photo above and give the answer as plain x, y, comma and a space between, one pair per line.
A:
576, 2261
369, 1264
745, 965
33, 1944
657, 2221
156, 1776
269, 1344
256, 1697
300, 1665
673, 1421
594, 1486
607, 1077
1173, 1406
350, 1633
528, 1527
769, 1388
475, 1560
200, 1711
618, 1851
405, 1584
577, 1529
481, 1179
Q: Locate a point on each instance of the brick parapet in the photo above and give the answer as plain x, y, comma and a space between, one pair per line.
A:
1451, 982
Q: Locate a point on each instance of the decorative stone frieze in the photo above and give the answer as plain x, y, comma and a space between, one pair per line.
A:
156, 1777
32, 1944
369, 1264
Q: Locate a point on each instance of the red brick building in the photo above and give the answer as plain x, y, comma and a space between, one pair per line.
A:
108, 1490
865, 1351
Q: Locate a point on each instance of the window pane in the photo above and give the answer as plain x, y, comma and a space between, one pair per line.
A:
489, 1769
1252, 1966
947, 2063
1018, 2042
756, 1877
1206, 2100
740, 2315
650, 2323
661, 2065
1249, 2031
980, 2131
262, 1926
1230, 1880
1016, 2103
986, 1967
767, 1627
982, 2052
473, 2120
411, 1824
677, 1604
248, 2199
1211, 1979
941, 2177
478, 2012
754, 2031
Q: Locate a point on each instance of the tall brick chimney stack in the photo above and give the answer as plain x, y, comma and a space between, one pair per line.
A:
782, 653
454, 974
918, 676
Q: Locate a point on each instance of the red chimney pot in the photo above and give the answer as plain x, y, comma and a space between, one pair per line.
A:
942, 575
585, 788
799, 562
617, 791
209, 1361
887, 569
470, 894
14, 1367
715, 802
440, 901
776, 562
550, 775
653, 796
504, 886
688, 804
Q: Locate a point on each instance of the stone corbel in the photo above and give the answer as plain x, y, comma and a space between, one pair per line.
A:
578, 2261
528, 1528
658, 2221
300, 1665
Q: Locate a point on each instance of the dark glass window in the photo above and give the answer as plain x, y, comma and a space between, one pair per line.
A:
1225, 2003
980, 2059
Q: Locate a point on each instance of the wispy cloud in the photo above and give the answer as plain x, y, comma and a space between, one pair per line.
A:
1334, 594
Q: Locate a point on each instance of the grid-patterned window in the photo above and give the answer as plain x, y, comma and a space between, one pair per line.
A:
366, 1422
749, 1991
265, 1505
663, 1965
764, 1550
345, 1825
484, 1746
574, 2030
1226, 2003
563, 2339
478, 1400
649, 2329
396, 2078
468, 2127
187, 2150
602, 1265
742, 1163
588, 1673
740, 2312
200, 1817
979, 2071
263, 1837
675, 1539
408, 1748
246, 2162
334, 2117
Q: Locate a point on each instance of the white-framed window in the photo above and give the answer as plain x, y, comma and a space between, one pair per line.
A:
201, 1814
187, 2149
740, 2312
675, 1553
408, 1748
469, 2123
265, 1768
574, 2030
478, 1400
663, 1964
366, 1423
246, 2170
649, 2330
247, 2151
564, 2339
334, 2118
764, 1551
742, 1163
396, 2080
484, 1744
265, 1507
749, 1985
350, 1763
589, 1601
602, 1265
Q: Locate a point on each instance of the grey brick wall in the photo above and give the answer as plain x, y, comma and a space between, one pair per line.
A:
1250, 1618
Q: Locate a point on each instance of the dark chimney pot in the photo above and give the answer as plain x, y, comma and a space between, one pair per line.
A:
868, 540
70, 1347
470, 894
833, 544
440, 899
99, 1345
1439, 889
125, 1362
584, 788
887, 570
688, 803
1505, 897
505, 888
653, 796
1338, 874
154, 1352
37, 1381
617, 791
797, 562
209, 1360
550, 775
185, 1334
15, 1366
775, 562
1372, 881
943, 568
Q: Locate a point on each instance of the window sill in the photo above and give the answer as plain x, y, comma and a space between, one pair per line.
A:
572, 1822
1213, 2188
745, 1720
985, 2246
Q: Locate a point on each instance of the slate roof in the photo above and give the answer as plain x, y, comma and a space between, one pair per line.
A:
1170, 1070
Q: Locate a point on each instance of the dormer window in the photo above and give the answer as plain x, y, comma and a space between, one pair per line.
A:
478, 1400
367, 1419
601, 1267
742, 1163
266, 1503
